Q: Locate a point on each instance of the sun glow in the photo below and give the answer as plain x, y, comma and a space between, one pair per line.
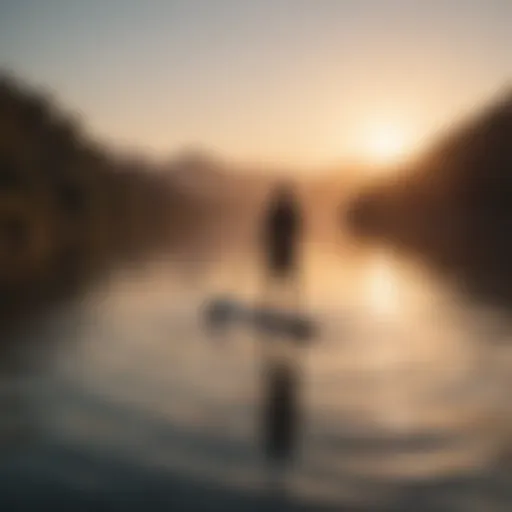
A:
387, 143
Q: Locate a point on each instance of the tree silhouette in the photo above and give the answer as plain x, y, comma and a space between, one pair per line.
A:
69, 209
453, 209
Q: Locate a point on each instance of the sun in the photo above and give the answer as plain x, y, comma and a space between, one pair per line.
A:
387, 143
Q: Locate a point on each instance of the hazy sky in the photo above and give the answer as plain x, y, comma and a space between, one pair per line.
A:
299, 81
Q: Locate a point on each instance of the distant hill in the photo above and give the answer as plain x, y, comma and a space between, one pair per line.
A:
453, 208
69, 210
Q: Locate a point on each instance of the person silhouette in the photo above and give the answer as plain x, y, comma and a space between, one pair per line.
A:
281, 235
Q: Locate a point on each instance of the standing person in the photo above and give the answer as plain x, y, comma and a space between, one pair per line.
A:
282, 230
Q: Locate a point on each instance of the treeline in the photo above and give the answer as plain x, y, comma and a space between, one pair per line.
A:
452, 208
69, 209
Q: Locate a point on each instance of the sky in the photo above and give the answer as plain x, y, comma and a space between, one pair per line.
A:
302, 83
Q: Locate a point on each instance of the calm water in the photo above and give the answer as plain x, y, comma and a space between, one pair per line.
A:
404, 392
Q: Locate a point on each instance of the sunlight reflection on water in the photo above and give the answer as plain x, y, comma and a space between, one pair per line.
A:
402, 386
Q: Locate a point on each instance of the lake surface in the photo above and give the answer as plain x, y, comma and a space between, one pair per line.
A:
405, 395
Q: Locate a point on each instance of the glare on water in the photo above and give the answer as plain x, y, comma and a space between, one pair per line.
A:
399, 387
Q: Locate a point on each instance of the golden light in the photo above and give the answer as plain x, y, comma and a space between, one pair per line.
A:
381, 288
387, 143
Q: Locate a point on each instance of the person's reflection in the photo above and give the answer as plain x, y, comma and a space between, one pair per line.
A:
280, 412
